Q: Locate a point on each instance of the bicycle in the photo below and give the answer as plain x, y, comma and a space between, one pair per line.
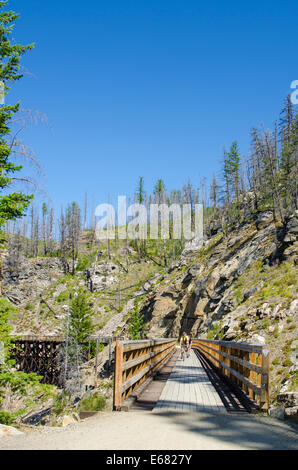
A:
184, 350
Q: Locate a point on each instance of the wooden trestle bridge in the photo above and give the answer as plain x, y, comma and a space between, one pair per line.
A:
218, 375
44, 355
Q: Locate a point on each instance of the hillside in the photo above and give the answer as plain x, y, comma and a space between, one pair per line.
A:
40, 288
241, 286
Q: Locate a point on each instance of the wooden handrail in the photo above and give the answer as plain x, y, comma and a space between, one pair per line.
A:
135, 361
245, 364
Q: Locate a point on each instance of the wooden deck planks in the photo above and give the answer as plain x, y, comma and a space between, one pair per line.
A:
188, 389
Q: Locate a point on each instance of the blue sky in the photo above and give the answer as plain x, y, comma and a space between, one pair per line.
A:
149, 88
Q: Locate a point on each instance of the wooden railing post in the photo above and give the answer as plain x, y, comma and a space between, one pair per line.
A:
265, 379
118, 376
228, 363
252, 374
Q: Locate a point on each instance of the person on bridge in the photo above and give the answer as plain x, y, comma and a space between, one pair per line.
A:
184, 344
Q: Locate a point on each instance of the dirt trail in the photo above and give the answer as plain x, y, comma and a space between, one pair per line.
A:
138, 430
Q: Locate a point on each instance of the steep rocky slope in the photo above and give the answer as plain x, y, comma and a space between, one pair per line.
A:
226, 277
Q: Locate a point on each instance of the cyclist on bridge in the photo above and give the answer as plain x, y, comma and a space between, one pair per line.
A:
184, 344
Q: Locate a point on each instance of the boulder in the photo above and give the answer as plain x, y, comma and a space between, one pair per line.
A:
264, 311
9, 431
288, 399
292, 226
165, 307
200, 308
193, 271
68, 419
292, 230
233, 241
174, 266
192, 246
292, 413
294, 307
257, 339
230, 335
277, 413
264, 217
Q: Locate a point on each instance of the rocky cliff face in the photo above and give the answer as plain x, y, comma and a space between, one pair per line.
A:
220, 279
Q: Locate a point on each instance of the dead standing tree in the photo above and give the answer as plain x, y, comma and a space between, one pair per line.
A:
70, 229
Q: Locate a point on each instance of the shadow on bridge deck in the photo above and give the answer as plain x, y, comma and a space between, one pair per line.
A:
233, 399
150, 396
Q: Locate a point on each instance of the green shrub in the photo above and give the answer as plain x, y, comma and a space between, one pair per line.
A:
19, 381
265, 324
294, 375
83, 263
276, 332
60, 403
6, 418
63, 296
287, 363
95, 402
29, 306
239, 296
291, 327
215, 332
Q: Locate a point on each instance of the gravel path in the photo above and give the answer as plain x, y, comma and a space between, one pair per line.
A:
138, 430
117, 319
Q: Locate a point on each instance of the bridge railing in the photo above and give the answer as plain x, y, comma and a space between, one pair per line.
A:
135, 362
245, 364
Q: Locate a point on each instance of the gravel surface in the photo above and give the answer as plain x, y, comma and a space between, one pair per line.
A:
138, 430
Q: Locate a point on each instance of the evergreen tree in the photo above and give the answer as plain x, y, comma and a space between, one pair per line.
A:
232, 166
231, 173
140, 191
6, 310
80, 323
73, 228
136, 322
12, 205
159, 191
140, 197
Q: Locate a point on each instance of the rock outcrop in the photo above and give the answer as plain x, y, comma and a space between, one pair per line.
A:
29, 277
